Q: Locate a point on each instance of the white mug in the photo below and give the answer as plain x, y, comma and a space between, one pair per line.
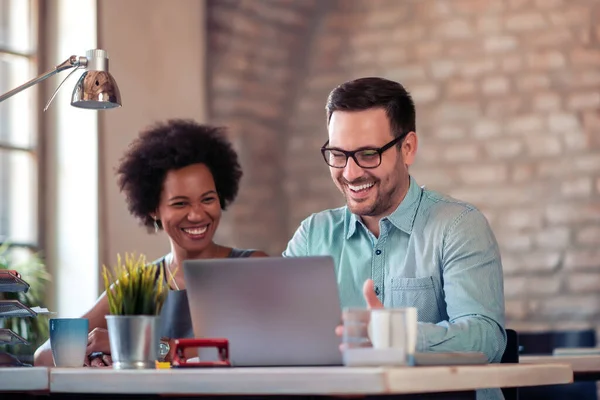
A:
394, 328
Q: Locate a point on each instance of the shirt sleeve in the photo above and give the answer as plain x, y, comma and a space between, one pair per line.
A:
298, 244
473, 290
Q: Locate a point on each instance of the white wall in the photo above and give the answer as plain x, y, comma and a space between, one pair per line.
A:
70, 169
157, 53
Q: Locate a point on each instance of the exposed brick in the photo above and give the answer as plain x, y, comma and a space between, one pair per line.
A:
460, 88
522, 219
548, 101
428, 50
424, 93
576, 141
553, 238
458, 111
570, 307
522, 173
406, 33
584, 101
461, 153
581, 56
473, 69
548, 4
476, 7
497, 44
547, 60
532, 81
514, 286
525, 22
483, 174
507, 114
503, 148
512, 63
514, 242
544, 286
392, 56
450, 132
453, 29
504, 107
577, 187
577, 260
488, 24
549, 39
525, 124
516, 309
442, 69
484, 129
407, 73
569, 213
587, 163
531, 262
589, 235
563, 122
495, 86
517, 5
542, 145
571, 16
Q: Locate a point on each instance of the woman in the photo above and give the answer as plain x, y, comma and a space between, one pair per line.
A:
178, 177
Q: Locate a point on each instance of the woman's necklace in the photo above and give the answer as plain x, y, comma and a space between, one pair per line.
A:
169, 267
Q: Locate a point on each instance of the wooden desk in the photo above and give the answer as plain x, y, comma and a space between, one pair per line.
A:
585, 367
24, 379
307, 381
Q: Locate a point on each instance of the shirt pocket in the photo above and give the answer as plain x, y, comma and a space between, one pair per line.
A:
417, 292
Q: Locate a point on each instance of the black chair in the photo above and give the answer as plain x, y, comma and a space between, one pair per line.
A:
511, 355
544, 343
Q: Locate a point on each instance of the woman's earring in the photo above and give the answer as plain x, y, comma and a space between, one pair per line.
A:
156, 226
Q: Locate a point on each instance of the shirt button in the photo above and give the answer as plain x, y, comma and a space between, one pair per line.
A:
377, 291
378, 252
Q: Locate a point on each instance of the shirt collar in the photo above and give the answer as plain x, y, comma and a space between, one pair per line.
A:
402, 218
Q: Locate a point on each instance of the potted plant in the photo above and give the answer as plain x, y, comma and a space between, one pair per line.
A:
136, 292
33, 270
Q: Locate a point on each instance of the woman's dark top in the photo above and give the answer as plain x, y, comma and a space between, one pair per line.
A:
175, 319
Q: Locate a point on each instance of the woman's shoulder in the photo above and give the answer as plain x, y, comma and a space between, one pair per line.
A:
159, 261
239, 253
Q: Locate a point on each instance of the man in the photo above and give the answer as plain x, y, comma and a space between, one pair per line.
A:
396, 244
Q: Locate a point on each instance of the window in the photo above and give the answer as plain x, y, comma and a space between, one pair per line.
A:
18, 124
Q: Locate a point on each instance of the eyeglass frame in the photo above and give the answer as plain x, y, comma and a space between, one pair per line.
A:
352, 154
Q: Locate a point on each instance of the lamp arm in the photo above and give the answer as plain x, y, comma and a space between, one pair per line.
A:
71, 62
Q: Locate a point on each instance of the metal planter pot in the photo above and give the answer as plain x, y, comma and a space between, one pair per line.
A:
134, 340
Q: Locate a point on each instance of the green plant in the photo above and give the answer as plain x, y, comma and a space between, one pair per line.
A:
33, 271
134, 287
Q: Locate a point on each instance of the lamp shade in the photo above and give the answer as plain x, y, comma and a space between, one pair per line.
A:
96, 90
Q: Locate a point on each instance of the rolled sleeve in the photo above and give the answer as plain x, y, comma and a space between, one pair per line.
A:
473, 291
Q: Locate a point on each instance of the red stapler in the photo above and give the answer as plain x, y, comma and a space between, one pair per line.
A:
222, 346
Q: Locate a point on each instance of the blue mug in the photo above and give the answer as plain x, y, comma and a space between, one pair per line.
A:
69, 339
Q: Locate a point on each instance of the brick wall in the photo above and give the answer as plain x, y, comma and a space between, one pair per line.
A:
507, 95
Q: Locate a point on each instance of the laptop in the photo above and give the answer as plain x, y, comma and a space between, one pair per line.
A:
275, 311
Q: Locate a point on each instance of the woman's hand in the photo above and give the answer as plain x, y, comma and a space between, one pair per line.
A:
98, 343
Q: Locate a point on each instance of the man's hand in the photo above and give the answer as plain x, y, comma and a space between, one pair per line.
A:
370, 296
371, 299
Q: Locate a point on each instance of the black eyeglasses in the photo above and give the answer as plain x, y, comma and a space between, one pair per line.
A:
366, 157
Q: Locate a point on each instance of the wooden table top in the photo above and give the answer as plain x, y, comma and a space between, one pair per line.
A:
299, 380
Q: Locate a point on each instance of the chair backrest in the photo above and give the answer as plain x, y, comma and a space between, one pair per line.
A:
546, 342
511, 355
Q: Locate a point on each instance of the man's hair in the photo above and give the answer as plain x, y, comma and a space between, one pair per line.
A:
366, 93
172, 145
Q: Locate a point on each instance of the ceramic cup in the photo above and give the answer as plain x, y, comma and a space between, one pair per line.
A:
69, 339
